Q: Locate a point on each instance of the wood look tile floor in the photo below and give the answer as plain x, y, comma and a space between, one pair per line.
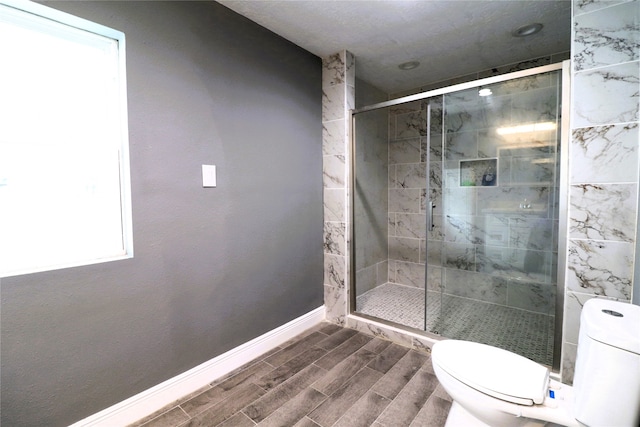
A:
326, 376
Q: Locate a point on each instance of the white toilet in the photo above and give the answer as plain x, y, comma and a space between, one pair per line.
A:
494, 387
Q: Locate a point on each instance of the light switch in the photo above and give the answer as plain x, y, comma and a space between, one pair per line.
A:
208, 176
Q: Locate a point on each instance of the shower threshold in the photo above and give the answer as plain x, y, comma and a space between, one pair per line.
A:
523, 332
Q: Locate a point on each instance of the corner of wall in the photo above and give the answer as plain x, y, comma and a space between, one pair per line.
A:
338, 97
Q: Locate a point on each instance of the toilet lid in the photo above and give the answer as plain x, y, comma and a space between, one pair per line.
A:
493, 371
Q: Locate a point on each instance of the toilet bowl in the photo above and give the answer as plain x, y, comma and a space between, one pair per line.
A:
494, 387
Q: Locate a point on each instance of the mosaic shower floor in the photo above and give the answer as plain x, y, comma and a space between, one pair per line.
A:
523, 332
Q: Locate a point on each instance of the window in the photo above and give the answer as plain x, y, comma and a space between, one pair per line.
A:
64, 166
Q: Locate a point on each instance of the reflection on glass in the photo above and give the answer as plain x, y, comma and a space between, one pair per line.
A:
486, 271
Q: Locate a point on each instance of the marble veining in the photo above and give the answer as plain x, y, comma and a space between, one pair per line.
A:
404, 200
334, 204
435, 154
476, 286
584, 6
601, 268
333, 170
461, 145
333, 69
533, 106
404, 249
335, 304
609, 37
518, 66
409, 225
531, 296
333, 102
574, 301
460, 256
603, 212
404, 151
605, 154
412, 175
334, 270
606, 95
333, 134
411, 125
334, 238
535, 234
409, 274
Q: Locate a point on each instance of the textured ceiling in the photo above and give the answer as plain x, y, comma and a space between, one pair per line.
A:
450, 38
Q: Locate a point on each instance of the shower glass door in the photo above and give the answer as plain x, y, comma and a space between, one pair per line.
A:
494, 241
455, 213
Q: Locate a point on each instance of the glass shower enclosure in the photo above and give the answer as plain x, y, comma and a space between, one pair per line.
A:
456, 212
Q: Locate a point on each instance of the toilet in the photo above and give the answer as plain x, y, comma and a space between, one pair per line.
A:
496, 388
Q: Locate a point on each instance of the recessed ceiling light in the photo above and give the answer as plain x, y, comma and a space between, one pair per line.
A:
484, 91
409, 65
527, 30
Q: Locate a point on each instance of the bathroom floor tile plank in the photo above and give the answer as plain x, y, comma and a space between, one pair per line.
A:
410, 400
226, 409
275, 398
343, 351
370, 382
343, 371
223, 390
442, 394
377, 345
307, 422
364, 412
168, 419
285, 371
238, 420
388, 358
295, 409
178, 402
433, 413
296, 348
336, 339
344, 398
328, 328
399, 375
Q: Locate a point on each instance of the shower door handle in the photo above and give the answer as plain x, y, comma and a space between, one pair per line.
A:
430, 224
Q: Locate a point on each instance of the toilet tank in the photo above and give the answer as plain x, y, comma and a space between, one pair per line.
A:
606, 382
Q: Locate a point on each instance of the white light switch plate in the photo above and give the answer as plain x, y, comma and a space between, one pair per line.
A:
208, 176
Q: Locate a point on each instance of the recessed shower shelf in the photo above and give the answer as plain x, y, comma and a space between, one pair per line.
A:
479, 172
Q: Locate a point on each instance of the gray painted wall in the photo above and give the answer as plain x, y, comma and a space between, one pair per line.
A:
213, 268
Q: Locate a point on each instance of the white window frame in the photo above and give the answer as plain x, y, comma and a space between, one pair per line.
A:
35, 12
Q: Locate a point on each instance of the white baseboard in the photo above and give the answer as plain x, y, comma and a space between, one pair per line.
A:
166, 393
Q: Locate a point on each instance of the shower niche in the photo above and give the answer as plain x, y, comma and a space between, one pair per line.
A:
479, 172
456, 212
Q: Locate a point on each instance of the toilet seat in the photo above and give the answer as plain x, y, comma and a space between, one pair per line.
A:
493, 371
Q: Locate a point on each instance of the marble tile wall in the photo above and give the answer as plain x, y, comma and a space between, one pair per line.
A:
338, 97
508, 68
407, 186
603, 168
603, 179
371, 195
481, 246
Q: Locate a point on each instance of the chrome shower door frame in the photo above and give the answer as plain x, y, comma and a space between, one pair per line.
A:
564, 67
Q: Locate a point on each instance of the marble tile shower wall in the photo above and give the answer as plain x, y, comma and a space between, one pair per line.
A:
338, 74
338, 97
603, 160
603, 164
407, 194
481, 246
505, 69
371, 199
